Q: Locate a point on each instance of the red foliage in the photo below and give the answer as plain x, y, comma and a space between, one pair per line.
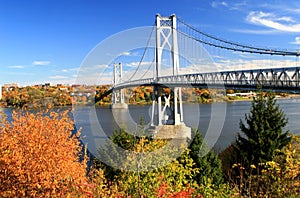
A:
164, 191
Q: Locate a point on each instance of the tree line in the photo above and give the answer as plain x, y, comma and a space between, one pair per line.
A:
43, 96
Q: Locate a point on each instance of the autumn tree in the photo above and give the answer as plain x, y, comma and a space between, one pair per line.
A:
165, 176
277, 178
39, 156
263, 131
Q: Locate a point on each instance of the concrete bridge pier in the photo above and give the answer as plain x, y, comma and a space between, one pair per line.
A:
167, 116
118, 100
119, 106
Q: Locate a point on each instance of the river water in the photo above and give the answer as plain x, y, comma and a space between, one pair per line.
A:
219, 122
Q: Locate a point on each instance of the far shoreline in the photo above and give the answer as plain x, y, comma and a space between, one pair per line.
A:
107, 105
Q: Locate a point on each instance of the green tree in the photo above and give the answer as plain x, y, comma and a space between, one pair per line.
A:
208, 163
262, 134
109, 153
123, 139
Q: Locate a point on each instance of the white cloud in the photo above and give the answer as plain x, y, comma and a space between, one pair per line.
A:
41, 63
286, 19
249, 31
73, 69
58, 77
239, 6
270, 20
216, 4
125, 54
242, 64
94, 68
67, 70
230, 6
130, 53
136, 64
16, 67
297, 41
93, 79
297, 10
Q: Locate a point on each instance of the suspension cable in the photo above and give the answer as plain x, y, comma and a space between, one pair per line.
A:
236, 46
141, 60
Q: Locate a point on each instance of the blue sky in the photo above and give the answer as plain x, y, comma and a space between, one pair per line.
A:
46, 41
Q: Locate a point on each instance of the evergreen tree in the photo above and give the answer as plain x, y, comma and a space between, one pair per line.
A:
209, 165
262, 134
110, 154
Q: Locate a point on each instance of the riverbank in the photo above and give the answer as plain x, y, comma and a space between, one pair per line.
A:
228, 99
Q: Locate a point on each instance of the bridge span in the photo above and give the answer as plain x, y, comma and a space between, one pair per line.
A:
182, 48
285, 79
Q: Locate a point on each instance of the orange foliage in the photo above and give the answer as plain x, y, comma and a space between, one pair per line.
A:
167, 90
148, 89
39, 157
138, 90
197, 91
142, 96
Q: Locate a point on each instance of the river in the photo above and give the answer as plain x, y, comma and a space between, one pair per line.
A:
219, 122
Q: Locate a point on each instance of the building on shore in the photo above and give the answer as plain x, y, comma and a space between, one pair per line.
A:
247, 94
10, 87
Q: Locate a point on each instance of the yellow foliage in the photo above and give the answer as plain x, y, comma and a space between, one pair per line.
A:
280, 178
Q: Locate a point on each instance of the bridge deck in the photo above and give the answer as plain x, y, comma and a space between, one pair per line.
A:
285, 79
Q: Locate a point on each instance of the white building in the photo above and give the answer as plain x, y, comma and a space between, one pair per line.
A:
248, 94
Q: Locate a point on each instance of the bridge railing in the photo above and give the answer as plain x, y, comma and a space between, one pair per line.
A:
278, 78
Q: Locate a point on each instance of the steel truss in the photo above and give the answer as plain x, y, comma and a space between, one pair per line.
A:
285, 79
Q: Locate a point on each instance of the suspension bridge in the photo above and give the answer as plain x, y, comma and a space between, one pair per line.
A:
179, 55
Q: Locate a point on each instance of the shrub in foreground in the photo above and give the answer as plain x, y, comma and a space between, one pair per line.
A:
39, 156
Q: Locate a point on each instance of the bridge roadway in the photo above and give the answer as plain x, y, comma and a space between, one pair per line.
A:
286, 79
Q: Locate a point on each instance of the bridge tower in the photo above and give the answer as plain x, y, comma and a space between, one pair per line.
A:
167, 117
118, 95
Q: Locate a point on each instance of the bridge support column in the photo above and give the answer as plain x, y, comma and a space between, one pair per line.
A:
167, 116
118, 100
